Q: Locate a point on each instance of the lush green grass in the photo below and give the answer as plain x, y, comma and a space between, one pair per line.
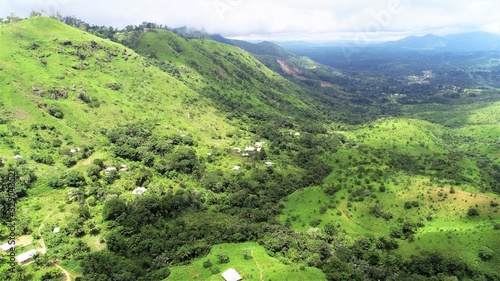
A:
246, 258
365, 165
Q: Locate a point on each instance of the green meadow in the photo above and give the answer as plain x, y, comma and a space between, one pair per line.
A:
249, 259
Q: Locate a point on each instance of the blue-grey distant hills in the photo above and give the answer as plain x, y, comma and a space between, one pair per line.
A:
475, 41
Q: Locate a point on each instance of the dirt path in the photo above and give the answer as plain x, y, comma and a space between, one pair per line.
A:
43, 248
68, 276
344, 215
258, 265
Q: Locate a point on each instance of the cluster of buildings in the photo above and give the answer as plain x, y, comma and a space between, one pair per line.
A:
21, 258
257, 147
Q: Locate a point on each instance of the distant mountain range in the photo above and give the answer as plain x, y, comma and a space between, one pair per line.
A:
476, 41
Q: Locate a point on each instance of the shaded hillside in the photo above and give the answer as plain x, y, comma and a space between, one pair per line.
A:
289, 65
236, 81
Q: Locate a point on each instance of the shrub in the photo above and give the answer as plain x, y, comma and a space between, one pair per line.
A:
315, 222
472, 212
55, 182
56, 112
408, 205
75, 179
485, 254
222, 258
207, 264
69, 162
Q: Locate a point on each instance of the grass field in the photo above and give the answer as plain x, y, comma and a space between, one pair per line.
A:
250, 260
361, 209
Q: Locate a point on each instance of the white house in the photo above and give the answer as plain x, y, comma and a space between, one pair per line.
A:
6, 247
245, 154
297, 134
57, 229
268, 164
236, 168
237, 149
18, 156
109, 169
259, 144
26, 256
250, 148
139, 190
231, 275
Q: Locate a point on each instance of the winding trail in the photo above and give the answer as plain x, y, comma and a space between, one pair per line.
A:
68, 276
43, 248
258, 265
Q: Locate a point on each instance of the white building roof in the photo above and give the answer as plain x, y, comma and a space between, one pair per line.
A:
249, 148
57, 229
139, 190
7, 247
236, 168
231, 275
26, 256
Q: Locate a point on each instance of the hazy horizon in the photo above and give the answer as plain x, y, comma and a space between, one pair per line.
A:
279, 20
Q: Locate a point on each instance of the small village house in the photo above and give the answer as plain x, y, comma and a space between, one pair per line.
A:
26, 256
139, 190
250, 148
109, 169
231, 275
6, 247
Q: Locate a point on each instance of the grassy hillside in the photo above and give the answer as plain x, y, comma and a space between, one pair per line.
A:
412, 181
250, 260
241, 167
74, 105
237, 82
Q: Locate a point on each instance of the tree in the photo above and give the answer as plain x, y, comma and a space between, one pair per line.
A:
485, 254
94, 171
75, 179
35, 14
113, 208
222, 258
472, 212
207, 264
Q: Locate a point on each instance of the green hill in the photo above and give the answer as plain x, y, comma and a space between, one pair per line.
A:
74, 105
181, 157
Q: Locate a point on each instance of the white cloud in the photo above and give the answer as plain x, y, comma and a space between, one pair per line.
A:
281, 18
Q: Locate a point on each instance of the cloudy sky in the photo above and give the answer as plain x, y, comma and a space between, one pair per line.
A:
367, 20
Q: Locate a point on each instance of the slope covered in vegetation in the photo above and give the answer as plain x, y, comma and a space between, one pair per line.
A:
183, 157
